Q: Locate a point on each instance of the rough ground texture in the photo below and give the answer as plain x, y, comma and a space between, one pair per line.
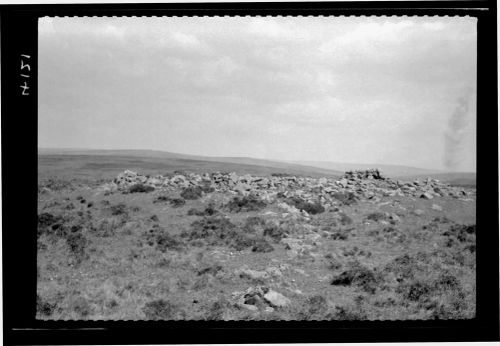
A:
240, 247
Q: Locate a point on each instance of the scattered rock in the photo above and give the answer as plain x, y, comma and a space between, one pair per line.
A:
418, 212
276, 299
427, 195
437, 207
368, 185
253, 274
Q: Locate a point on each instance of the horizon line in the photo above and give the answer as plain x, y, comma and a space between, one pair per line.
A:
257, 158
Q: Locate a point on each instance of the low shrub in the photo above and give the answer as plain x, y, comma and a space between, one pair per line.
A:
358, 275
216, 230
208, 227
208, 211
165, 242
376, 216
447, 282
140, 188
157, 236
339, 235
463, 233
275, 232
77, 244
245, 204
58, 185
161, 198
210, 269
216, 310
415, 291
301, 204
106, 227
315, 308
174, 202
119, 209
160, 309
345, 220
81, 307
177, 202
192, 192
348, 313
47, 223
254, 224
44, 307
280, 175
346, 198
261, 245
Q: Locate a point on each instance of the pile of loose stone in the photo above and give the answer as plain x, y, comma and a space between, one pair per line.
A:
368, 185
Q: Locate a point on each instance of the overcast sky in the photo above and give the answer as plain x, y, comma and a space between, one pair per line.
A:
363, 90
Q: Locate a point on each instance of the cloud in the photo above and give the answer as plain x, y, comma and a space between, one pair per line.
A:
305, 84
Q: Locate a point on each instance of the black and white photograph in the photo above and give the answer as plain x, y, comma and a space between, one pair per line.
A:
256, 168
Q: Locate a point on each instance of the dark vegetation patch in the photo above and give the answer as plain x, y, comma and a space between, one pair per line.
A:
245, 204
219, 231
346, 198
280, 175
161, 199
161, 309
345, 220
208, 211
217, 309
177, 202
376, 216
463, 233
355, 252
348, 313
301, 204
77, 244
254, 224
192, 192
261, 245
118, 209
210, 269
275, 232
314, 308
140, 188
389, 234
44, 307
415, 291
172, 201
159, 237
358, 275
340, 234
56, 185
81, 307
49, 223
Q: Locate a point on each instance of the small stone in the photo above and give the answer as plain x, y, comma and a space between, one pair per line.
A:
437, 207
253, 274
276, 299
273, 271
249, 307
418, 212
427, 195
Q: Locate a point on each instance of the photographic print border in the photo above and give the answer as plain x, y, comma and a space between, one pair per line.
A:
19, 25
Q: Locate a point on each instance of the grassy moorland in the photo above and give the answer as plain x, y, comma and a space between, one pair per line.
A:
199, 252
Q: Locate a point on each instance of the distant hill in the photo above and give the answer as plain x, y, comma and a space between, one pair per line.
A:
90, 162
81, 163
456, 178
387, 170
399, 172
